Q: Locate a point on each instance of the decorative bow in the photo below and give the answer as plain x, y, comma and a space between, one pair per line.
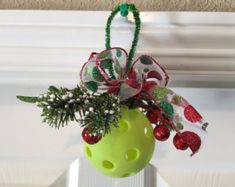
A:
108, 71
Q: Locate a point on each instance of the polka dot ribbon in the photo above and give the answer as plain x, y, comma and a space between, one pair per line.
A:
108, 71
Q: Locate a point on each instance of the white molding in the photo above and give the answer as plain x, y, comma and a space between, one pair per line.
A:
49, 47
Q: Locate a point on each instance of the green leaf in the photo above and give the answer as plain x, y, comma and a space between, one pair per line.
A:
160, 93
53, 89
177, 99
167, 107
146, 60
27, 99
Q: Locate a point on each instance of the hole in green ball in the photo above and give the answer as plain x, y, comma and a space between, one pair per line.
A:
88, 152
127, 174
132, 154
123, 126
147, 132
107, 164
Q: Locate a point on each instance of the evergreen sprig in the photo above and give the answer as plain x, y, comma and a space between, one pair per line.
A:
61, 105
101, 113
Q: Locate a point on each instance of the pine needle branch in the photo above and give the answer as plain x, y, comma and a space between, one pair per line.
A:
27, 99
59, 106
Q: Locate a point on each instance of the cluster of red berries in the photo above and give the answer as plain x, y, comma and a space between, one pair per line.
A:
181, 141
161, 131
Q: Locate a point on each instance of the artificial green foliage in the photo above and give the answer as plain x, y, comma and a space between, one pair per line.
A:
61, 105
101, 113
27, 99
160, 93
168, 108
177, 99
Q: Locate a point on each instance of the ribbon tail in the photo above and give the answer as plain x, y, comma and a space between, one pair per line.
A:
190, 113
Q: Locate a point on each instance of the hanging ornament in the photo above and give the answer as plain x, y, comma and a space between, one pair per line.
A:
186, 140
118, 136
179, 142
161, 132
192, 140
127, 149
154, 116
90, 138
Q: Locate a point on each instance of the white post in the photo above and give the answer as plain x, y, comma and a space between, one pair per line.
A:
82, 174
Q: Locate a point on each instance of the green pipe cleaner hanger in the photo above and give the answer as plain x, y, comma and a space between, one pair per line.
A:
124, 9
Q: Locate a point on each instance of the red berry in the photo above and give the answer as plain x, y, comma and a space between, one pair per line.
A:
193, 140
88, 138
192, 114
161, 132
154, 116
179, 142
187, 139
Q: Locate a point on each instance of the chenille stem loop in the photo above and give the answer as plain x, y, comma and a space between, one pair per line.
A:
124, 9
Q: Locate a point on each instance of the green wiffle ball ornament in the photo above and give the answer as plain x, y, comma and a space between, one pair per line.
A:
127, 149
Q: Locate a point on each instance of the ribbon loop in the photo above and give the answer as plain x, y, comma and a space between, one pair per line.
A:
108, 72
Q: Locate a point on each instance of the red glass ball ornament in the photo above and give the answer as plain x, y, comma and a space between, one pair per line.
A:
186, 140
179, 142
192, 140
192, 114
154, 116
161, 132
90, 139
